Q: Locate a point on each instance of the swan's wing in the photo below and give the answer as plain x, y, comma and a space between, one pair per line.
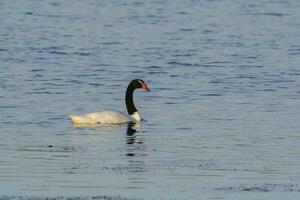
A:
104, 117
109, 117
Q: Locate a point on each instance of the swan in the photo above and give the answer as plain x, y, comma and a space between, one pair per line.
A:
115, 117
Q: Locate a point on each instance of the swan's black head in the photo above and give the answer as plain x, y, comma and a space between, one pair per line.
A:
139, 83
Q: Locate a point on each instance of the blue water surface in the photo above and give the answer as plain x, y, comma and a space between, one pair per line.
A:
222, 120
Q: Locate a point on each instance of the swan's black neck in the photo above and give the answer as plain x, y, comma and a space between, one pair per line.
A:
129, 98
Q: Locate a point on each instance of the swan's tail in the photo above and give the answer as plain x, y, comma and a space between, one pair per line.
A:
76, 119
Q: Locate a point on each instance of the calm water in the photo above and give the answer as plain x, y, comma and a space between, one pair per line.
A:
222, 120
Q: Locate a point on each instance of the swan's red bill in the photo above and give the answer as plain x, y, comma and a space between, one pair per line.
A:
145, 87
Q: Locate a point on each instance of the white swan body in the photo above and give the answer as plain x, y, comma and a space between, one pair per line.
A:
106, 117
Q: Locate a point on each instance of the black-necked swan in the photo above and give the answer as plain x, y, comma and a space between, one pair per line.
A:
115, 117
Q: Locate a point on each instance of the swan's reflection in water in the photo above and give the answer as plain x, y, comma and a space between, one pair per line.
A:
131, 130
135, 151
135, 144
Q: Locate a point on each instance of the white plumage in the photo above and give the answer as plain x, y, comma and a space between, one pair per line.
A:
105, 117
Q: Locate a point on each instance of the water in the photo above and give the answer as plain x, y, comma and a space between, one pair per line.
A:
221, 122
